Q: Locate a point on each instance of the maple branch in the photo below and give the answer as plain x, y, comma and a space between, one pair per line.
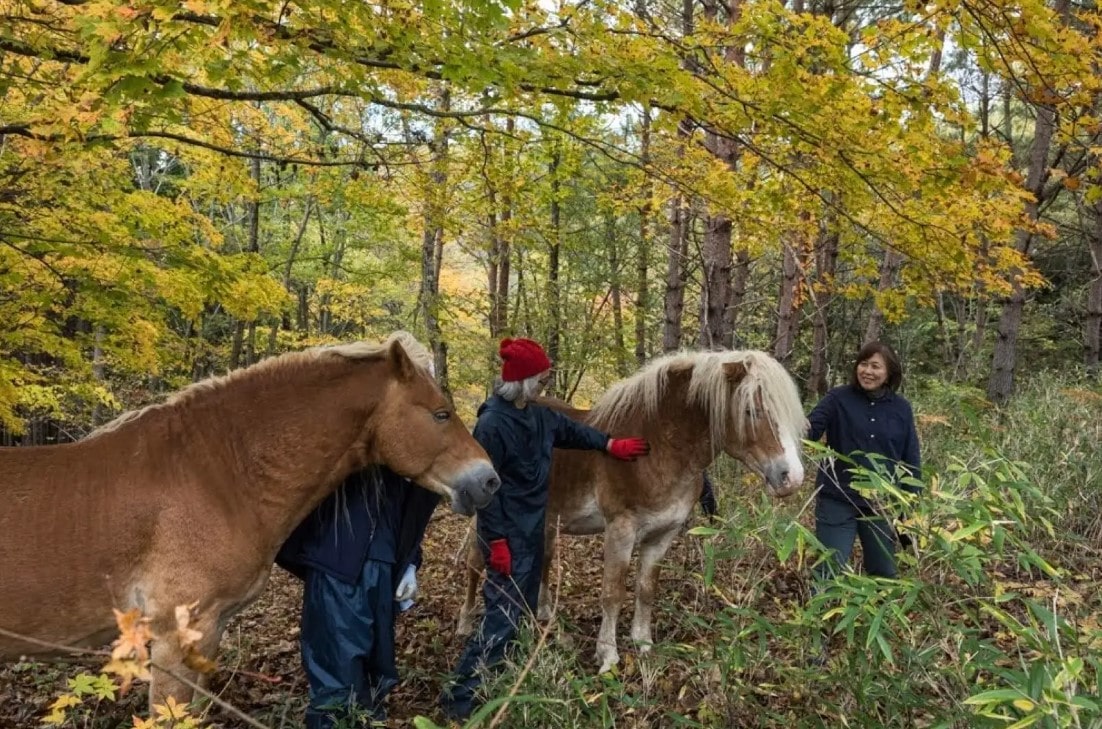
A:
24, 130
24, 49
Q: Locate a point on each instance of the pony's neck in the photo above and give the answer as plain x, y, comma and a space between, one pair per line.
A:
276, 441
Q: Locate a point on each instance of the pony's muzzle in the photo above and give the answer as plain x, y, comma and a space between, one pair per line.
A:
780, 479
474, 488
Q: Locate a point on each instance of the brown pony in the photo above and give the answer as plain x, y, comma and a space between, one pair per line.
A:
690, 406
187, 502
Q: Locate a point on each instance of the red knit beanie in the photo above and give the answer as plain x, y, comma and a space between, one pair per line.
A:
521, 359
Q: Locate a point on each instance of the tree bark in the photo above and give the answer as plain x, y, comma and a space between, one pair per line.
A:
642, 256
826, 260
1000, 385
788, 312
432, 245
554, 295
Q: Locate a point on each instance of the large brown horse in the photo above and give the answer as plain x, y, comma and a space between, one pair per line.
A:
691, 407
186, 502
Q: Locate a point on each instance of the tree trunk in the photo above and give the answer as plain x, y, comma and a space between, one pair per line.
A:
673, 305
554, 300
740, 280
826, 260
788, 311
642, 284
716, 287
289, 266
1093, 321
432, 246
677, 253
889, 267
616, 295
1000, 385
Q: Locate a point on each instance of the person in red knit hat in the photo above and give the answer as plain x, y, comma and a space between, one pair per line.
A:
519, 436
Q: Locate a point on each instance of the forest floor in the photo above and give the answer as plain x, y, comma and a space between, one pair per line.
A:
260, 673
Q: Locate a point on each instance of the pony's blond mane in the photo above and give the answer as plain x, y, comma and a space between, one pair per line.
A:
418, 354
710, 388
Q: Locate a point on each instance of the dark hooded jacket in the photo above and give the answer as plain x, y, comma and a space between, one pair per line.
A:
519, 442
375, 514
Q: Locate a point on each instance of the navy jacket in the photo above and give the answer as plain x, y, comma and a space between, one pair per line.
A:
856, 424
375, 514
519, 442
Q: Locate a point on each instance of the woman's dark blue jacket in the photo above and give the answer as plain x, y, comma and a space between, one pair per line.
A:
856, 424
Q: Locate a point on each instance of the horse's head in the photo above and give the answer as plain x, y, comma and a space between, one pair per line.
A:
765, 422
417, 434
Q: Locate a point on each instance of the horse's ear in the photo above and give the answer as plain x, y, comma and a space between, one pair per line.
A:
735, 371
403, 365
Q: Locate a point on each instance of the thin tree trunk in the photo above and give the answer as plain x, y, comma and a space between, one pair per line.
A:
1004, 360
616, 295
289, 266
1093, 321
826, 260
889, 267
554, 299
673, 305
740, 282
676, 254
432, 246
788, 313
716, 284
642, 284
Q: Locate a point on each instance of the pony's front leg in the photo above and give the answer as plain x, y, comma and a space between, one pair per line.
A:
550, 550
651, 552
474, 564
619, 542
171, 677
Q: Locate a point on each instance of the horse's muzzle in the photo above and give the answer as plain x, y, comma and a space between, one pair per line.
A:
781, 479
474, 488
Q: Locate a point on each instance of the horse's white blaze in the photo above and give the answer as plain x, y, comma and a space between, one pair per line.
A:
795, 463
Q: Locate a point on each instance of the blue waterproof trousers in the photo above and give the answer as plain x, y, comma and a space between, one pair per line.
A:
508, 600
348, 646
838, 524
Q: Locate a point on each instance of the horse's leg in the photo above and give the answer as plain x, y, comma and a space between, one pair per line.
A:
619, 542
550, 550
651, 551
474, 564
171, 676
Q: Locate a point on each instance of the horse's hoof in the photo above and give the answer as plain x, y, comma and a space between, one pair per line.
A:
608, 661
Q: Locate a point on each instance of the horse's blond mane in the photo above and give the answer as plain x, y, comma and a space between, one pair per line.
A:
417, 352
710, 388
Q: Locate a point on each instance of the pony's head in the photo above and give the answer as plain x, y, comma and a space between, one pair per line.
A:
415, 432
744, 403
756, 415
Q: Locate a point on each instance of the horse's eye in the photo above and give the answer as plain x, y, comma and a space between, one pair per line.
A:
441, 416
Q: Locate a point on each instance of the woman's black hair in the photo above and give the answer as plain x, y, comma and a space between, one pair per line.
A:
891, 359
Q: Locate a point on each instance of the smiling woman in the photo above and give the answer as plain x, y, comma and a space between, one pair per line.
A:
866, 421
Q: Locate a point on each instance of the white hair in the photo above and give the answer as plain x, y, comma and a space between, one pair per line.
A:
519, 391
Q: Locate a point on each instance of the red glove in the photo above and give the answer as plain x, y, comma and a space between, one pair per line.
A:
628, 449
500, 560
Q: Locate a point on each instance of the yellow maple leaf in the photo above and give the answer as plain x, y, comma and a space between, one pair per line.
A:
57, 713
189, 639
